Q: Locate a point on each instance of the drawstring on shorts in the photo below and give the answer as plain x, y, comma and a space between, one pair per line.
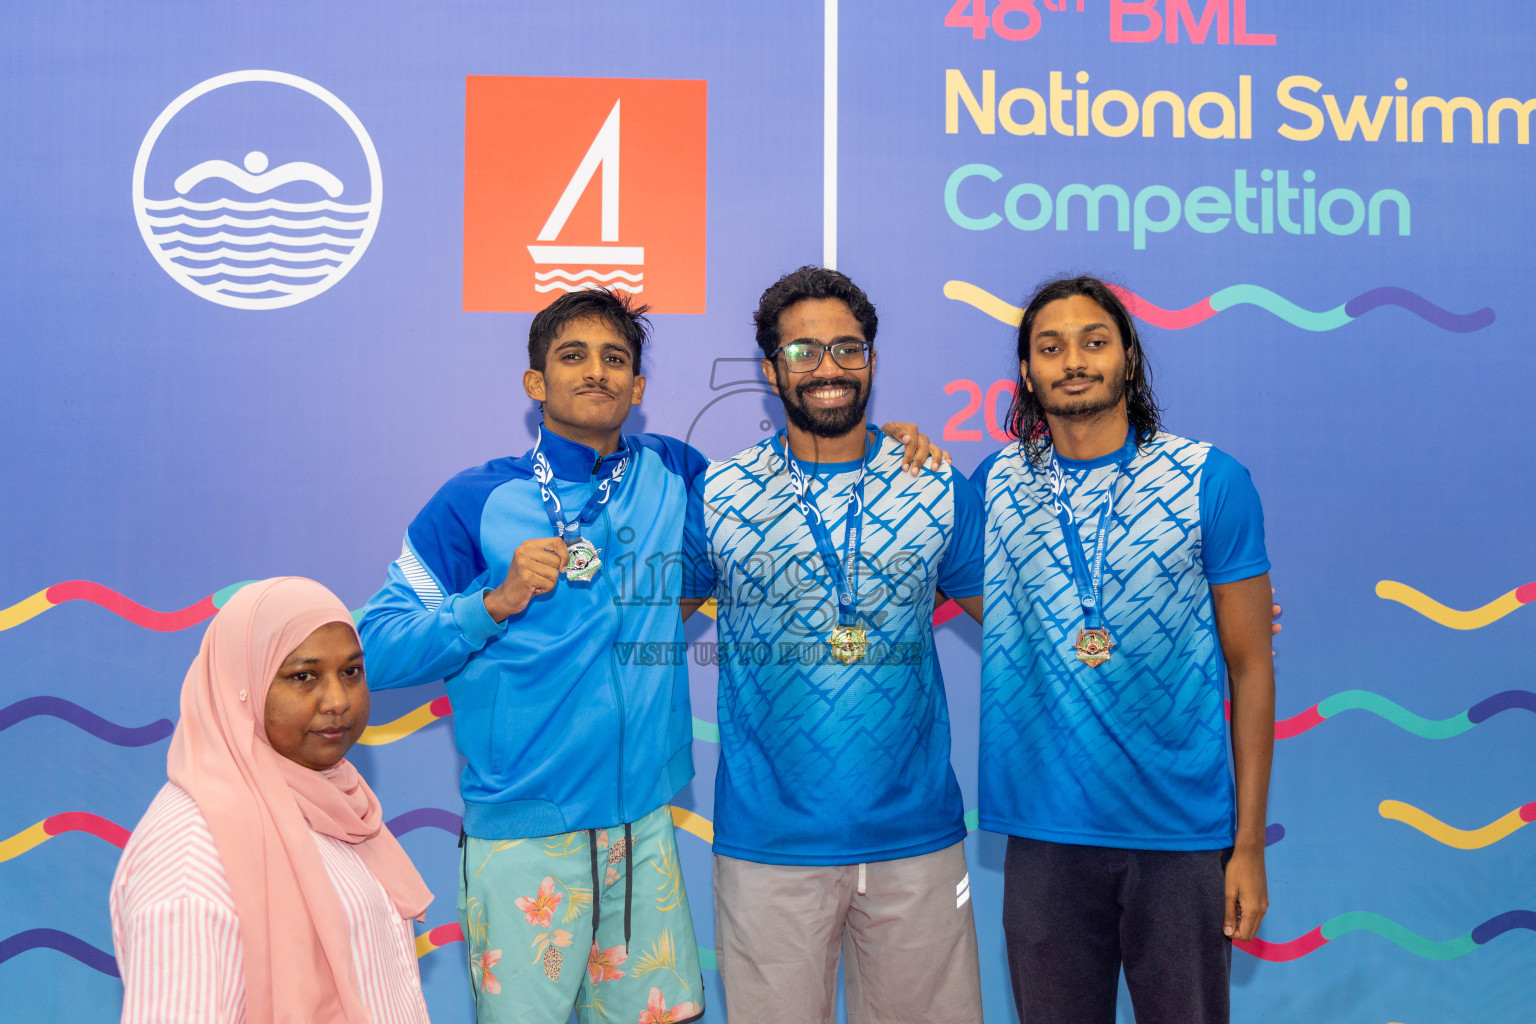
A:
597, 891
629, 854
597, 882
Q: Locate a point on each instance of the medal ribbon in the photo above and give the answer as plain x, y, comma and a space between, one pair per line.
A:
607, 486
1085, 579
842, 571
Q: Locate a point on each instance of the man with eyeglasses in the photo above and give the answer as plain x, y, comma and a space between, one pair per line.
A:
838, 820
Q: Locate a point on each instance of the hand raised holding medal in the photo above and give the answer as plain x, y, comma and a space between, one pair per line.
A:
538, 564
536, 567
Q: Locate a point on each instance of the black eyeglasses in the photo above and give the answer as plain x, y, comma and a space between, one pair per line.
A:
805, 356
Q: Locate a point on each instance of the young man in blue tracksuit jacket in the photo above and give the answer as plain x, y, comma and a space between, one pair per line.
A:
570, 698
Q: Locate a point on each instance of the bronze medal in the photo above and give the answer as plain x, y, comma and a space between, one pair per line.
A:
1093, 646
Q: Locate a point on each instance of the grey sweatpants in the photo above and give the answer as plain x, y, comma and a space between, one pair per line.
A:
905, 930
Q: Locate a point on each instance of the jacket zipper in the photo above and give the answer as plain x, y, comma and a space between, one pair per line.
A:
618, 696
618, 693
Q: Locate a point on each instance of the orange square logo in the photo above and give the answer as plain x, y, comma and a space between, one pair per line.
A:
574, 183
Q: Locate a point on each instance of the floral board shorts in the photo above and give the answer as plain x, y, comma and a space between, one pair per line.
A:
596, 920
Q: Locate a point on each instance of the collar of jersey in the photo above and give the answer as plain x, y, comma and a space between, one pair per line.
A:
825, 469
1084, 465
572, 460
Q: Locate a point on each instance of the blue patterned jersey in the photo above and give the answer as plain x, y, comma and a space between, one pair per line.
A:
1134, 753
820, 762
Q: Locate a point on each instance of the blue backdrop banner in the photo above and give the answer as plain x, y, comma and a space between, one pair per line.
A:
267, 276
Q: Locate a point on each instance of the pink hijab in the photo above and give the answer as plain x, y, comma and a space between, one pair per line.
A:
260, 807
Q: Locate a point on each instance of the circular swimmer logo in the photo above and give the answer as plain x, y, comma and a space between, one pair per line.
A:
257, 189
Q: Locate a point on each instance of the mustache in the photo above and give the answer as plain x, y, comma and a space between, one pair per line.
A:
597, 388
813, 385
1077, 376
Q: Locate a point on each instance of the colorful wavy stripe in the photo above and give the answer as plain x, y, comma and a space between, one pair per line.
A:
946, 611
1418, 945
85, 720
69, 945
401, 824
1476, 618
407, 723
694, 824
425, 817
437, 938
57, 825
117, 604
1247, 295
201, 611
1382, 707
1462, 839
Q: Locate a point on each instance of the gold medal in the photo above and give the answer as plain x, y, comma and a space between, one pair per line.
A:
1093, 646
848, 643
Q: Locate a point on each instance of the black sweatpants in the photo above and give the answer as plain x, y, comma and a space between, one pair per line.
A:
1074, 914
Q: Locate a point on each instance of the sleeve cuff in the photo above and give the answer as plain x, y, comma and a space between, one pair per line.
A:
1242, 572
474, 621
972, 591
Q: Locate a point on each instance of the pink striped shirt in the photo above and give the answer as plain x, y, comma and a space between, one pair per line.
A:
178, 939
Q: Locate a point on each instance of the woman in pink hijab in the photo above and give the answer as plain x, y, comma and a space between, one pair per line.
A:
261, 885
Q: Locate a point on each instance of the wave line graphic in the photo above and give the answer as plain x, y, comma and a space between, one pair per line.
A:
57, 825
265, 238
264, 288
254, 255
302, 275
694, 824
1364, 920
425, 817
437, 938
1391, 711
85, 590
591, 286
407, 723
85, 720
584, 274
1475, 618
69, 945
291, 224
1250, 295
1462, 839
117, 604
265, 204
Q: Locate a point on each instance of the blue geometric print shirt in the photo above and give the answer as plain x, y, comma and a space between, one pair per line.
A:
1135, 753
820, 762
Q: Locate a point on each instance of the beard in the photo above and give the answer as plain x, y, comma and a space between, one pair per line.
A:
1084, 407
824, 422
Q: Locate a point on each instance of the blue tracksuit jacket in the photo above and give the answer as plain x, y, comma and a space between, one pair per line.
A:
574, 713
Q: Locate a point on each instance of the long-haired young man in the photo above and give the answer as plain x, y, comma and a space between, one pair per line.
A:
1127, 589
